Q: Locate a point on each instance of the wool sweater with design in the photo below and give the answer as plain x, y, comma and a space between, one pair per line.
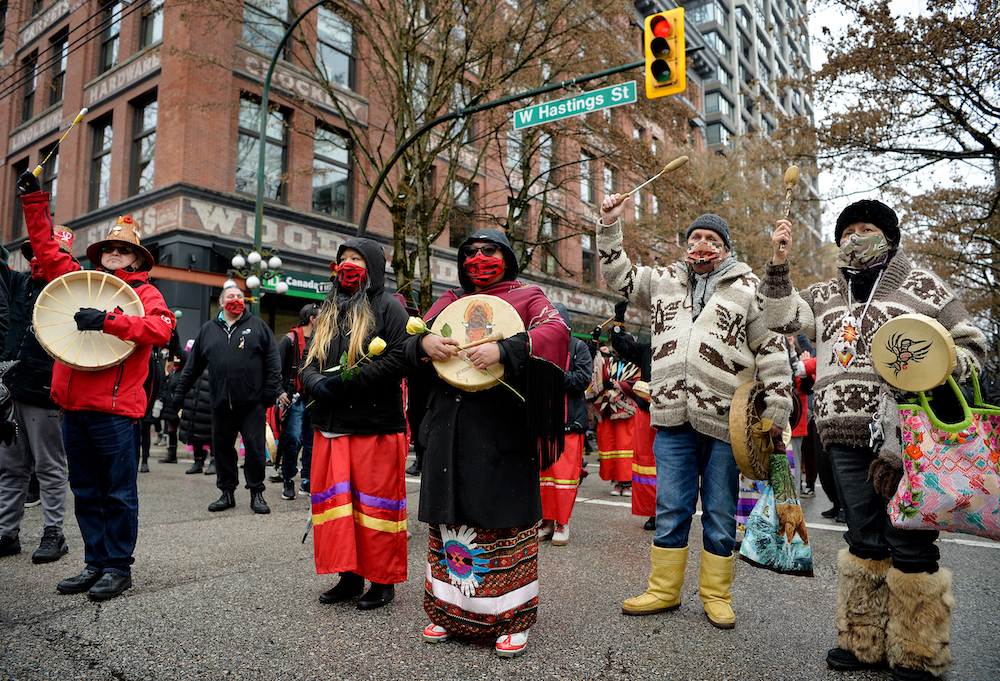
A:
845, 401
697, 364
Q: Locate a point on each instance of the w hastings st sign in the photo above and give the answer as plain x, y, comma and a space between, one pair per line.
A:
588, 102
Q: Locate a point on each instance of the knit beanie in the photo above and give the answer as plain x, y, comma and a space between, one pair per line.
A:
714, 223
871, 211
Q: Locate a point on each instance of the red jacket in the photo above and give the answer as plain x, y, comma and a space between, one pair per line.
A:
118, 389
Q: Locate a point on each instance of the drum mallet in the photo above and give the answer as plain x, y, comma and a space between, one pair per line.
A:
673, 165
495, 336
791, 179
79, 117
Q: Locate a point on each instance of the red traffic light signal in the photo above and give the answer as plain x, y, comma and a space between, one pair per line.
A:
665, 58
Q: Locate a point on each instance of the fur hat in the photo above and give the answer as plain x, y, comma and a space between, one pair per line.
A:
714, 223
873, 212
125, 232
63, 236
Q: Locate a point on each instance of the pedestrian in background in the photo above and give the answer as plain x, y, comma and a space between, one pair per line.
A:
296, 430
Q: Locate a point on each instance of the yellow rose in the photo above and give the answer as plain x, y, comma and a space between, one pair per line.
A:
376, 347
415, 325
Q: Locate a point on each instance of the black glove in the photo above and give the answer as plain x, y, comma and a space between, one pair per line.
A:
620, 308
27, 183
596, 333
90, 319
329, 388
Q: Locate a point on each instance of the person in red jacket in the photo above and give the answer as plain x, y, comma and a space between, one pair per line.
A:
102, 409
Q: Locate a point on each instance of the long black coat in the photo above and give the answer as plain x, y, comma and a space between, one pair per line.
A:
196, 413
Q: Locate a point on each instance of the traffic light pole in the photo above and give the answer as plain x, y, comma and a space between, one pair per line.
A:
468, 111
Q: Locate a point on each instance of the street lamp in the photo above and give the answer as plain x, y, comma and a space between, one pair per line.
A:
256, 267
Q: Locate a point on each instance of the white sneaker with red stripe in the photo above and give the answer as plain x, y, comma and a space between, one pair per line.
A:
561, 536
512, 645
435, 634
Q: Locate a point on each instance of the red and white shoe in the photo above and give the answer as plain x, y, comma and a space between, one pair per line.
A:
512, 645
435, 634
545, 529
561, 536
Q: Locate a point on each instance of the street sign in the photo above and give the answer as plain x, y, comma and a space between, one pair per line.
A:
588, 102
301, 285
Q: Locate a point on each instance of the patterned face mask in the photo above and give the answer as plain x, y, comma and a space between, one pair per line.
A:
703, 251
482, 269
350, 275
862, 251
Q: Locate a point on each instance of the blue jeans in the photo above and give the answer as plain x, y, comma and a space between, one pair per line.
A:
102, 451
297, 430
683, 456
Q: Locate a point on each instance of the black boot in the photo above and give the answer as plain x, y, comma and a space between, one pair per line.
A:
418, 461
257, 503
349, 586
377, 596
199, 462
227, 500
210, 470
171, 455
144, 466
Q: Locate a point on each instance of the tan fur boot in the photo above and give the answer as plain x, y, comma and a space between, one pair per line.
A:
920, 606
666, 577
862, 606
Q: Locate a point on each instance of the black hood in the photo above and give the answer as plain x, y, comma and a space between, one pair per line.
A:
493, 236
374, 257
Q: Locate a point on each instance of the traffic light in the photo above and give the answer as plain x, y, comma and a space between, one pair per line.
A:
665, 59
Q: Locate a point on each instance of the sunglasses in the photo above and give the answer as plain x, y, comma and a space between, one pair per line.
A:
489, 250
122, 250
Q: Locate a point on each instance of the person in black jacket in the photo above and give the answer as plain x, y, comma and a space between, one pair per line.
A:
559, 482
242, 354
170, 405
296, 425
357, 484
39, 444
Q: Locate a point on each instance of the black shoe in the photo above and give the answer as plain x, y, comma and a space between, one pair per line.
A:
78, 584
52, 548
277, 477
9, 546
195, 468
377, 596
349, 586
288, 491
831, 512
304, 487
110, 585
844, 661
413, 469
807, 492
906, 674
144, 467
211, 468
169, 459
842, 516
257, 503
227, 500
649, 524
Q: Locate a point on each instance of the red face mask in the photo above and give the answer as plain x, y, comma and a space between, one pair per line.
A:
481, 269
350, 275
36, 270
235, 307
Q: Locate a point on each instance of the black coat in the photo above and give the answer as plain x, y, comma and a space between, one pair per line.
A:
243, 360
372, 401
171, 401
581, 368
31, 380
196, 413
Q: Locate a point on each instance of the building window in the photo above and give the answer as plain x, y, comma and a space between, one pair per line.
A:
332, 180
334, 47
100, 164
588, 259
462, 221
264, 22
50, 176
152, 23
586, 177
710, 11
144, 146
515, 148
714, 101
610, 180
36, 6
547, 158
717, 43
637, 199
60, 55
29, 67
3, 20
111, 21
717, 133
17, 223
248, 151
550, 246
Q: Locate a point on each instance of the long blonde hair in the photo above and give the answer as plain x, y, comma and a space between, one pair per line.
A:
355, 319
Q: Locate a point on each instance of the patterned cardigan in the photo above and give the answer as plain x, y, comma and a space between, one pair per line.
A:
698, 364
846, 400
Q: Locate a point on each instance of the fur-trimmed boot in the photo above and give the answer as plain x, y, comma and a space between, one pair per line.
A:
862, 612
919, 627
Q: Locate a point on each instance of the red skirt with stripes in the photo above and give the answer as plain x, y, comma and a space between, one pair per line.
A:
559, 483
359, 505
643, 467
615, 443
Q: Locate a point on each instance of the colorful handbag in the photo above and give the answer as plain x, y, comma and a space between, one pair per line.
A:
951, 472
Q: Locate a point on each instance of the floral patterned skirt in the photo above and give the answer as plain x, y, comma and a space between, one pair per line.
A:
482, 583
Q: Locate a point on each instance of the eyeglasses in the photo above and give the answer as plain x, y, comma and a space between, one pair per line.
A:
489, 250
122, 250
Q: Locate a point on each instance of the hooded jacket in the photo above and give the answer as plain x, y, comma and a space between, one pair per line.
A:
373, 400
30, 381
117, 389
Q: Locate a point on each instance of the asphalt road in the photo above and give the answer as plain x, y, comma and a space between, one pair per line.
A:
232, 595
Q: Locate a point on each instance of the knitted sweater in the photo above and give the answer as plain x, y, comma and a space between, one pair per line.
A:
845, 401
697, 365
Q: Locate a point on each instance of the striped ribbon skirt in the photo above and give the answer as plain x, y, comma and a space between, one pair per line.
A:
643, 467
615, 444
559, 483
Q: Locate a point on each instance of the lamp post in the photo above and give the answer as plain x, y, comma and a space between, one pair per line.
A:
259, 266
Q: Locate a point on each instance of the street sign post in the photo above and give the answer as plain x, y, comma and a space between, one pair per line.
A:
588, 102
